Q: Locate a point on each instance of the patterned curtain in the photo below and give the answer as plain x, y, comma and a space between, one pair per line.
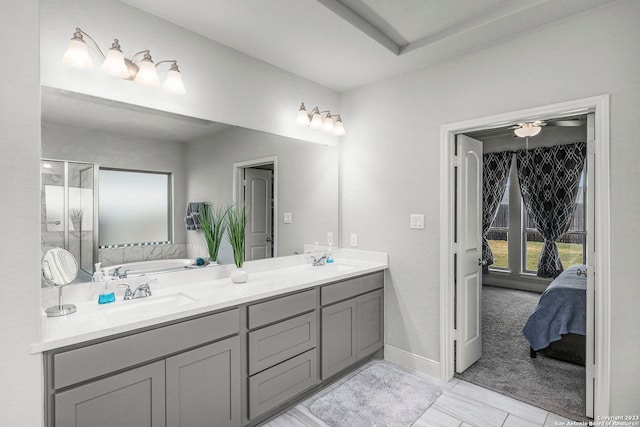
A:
549, 180
495, 171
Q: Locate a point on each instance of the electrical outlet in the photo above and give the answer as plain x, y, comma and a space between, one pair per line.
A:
354, 239
287, 218
329, 238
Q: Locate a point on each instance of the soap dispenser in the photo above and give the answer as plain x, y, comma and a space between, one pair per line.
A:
106, 294
329, 258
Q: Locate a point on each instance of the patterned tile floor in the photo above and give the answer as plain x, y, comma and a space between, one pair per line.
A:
461, 404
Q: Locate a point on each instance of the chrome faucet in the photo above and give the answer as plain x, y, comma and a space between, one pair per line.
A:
141, 291
118, 274
319, 261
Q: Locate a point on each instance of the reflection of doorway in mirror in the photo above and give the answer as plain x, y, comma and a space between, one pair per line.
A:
256, 193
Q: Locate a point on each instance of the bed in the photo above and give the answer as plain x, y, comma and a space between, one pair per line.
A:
557, 326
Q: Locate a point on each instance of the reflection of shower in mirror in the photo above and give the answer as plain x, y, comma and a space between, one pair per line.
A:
67, 213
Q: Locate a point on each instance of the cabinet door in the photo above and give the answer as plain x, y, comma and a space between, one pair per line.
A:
203, 386
369, 325
133, 398
338, 337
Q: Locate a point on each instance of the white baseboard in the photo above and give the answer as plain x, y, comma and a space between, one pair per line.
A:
412, 361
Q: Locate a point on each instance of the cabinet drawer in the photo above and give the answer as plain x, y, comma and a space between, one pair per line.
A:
94, 360
276, 343
351, 288
276, 385
281, 308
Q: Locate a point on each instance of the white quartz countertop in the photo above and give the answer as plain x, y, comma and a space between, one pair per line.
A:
174, 301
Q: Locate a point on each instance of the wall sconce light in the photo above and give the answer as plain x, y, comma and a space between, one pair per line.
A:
320, 120
115, 64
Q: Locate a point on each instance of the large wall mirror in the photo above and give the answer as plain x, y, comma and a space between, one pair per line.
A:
84, 135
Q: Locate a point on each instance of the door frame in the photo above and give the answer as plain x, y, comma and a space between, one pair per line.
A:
237, 180
599, 105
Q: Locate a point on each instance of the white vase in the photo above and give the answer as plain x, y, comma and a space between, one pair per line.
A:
239, 275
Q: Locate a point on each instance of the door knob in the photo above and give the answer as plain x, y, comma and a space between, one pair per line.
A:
482, 262
268, 239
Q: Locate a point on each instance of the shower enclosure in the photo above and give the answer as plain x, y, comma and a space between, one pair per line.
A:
68, 210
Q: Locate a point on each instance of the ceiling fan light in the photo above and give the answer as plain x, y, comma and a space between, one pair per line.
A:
527, 130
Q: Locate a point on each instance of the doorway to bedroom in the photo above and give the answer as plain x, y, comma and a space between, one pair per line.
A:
533, 218
461, 277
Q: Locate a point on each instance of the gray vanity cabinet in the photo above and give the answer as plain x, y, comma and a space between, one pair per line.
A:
203, 386
352, 328
282, 350
369, 323
226, 369
133, 398
338, 337
180, 375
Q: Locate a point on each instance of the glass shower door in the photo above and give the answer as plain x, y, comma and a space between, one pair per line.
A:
67, 200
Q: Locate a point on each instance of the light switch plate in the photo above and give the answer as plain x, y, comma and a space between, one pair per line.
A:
416, 221
287, 218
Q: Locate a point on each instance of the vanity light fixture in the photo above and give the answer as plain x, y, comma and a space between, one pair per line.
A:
320, 120
115, 64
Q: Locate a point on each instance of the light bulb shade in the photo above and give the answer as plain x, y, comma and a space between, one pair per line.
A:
173, 83
316, 120
77, 54
302, 119
114, 64
527, 130
327, 123
338, 128
147, 75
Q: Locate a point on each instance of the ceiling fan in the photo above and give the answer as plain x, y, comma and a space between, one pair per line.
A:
529, 129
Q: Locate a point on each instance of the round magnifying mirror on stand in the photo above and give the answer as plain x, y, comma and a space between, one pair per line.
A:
59, 268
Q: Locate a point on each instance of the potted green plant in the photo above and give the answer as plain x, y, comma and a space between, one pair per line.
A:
213, 224
236, 225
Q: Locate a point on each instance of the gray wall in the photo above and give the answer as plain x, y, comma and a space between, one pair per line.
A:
21, 373
394, 170
307, 182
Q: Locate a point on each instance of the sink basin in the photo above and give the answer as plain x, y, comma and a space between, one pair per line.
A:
334, 266
143, 308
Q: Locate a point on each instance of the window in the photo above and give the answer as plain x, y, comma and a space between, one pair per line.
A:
134, 207
504, 237
498, 234
571, 246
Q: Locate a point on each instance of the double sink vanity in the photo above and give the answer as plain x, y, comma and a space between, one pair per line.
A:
204, 351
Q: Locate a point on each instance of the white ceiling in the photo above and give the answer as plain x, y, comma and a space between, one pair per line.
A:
344, 44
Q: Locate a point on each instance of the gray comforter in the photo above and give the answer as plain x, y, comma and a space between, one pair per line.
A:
561, 310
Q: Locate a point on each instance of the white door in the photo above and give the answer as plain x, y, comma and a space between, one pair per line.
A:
469, 253
258, 184
591, 267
